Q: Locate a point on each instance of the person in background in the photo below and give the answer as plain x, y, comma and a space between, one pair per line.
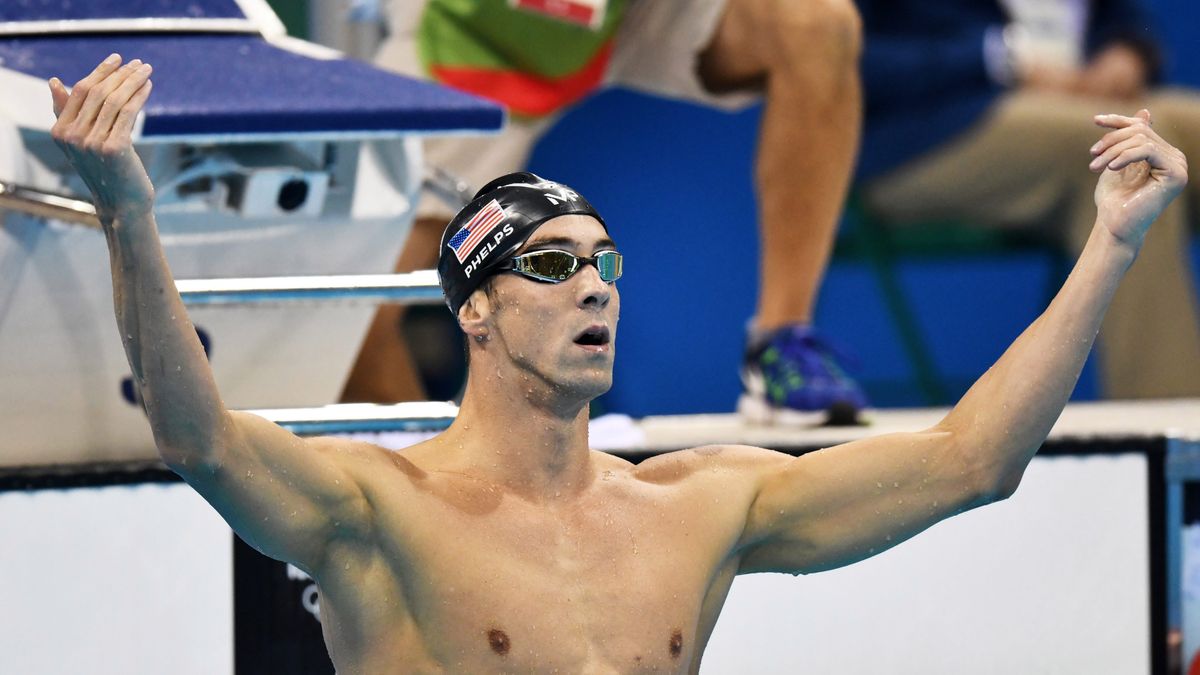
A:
976, 110
537, 59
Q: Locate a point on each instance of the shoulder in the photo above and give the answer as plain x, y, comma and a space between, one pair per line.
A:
368, 463
722, 462
349, 451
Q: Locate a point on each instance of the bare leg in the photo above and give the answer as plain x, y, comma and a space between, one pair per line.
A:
805, 55
384, 371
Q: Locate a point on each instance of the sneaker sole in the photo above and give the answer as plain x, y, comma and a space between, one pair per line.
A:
754, 409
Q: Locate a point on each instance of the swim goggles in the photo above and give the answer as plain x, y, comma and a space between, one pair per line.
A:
557, 266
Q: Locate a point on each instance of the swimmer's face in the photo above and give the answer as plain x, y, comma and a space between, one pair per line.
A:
559, 334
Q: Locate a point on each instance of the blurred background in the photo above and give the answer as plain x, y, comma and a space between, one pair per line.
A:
923, 312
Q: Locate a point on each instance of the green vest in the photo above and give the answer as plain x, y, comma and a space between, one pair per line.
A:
532, 64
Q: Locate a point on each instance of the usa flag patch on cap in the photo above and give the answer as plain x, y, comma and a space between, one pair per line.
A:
465, 240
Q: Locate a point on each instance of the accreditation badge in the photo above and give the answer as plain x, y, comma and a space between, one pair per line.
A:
586, 13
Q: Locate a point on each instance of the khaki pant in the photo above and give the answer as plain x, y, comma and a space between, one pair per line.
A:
1025, 166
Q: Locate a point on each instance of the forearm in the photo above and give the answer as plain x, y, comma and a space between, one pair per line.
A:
168, 362
1003, 419
94, 127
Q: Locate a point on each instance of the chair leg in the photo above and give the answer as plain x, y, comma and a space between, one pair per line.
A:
880, 249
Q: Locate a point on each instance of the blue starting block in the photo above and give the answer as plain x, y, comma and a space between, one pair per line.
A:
224, 73
271, 157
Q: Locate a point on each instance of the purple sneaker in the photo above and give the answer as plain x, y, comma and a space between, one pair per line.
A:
795, 377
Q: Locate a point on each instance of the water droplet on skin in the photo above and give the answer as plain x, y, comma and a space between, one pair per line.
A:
895, 485
878, 485
347, 566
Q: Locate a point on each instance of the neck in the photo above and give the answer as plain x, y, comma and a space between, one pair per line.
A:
517, 437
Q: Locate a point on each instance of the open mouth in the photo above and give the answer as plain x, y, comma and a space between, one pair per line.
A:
594, 337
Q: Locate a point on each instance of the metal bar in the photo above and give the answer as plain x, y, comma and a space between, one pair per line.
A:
1183, 462
419, 287
1182, 468
451, 190
43, 204
128, 25
363, 417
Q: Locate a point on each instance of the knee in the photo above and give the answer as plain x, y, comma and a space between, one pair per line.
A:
821, 33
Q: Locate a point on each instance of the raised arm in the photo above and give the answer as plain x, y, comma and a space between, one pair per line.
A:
281, 493
843, 504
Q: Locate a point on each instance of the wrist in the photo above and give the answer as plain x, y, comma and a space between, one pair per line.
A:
1122, 248
128, 220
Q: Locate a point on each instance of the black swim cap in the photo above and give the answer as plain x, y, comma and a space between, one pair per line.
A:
488, 231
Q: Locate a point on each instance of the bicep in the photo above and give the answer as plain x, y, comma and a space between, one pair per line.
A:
286, 496
842, 504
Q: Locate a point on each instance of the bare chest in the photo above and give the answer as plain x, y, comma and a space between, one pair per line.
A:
616, 581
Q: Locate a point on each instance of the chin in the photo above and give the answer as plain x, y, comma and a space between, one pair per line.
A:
589, 384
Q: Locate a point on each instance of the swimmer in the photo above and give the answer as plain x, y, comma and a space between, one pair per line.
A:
505, 543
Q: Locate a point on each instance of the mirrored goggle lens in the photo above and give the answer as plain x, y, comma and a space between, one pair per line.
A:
610, 264
549, 265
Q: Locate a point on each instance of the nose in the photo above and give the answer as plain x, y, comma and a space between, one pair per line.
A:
591, 291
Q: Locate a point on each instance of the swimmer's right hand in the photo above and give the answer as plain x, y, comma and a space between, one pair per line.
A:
94, 129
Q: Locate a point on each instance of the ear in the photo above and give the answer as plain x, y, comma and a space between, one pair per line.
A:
474, 316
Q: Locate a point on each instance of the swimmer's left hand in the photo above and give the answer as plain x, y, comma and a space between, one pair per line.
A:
1140, 174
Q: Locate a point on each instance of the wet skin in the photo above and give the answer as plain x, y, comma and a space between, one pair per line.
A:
507, 545
463, 574
472, 566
